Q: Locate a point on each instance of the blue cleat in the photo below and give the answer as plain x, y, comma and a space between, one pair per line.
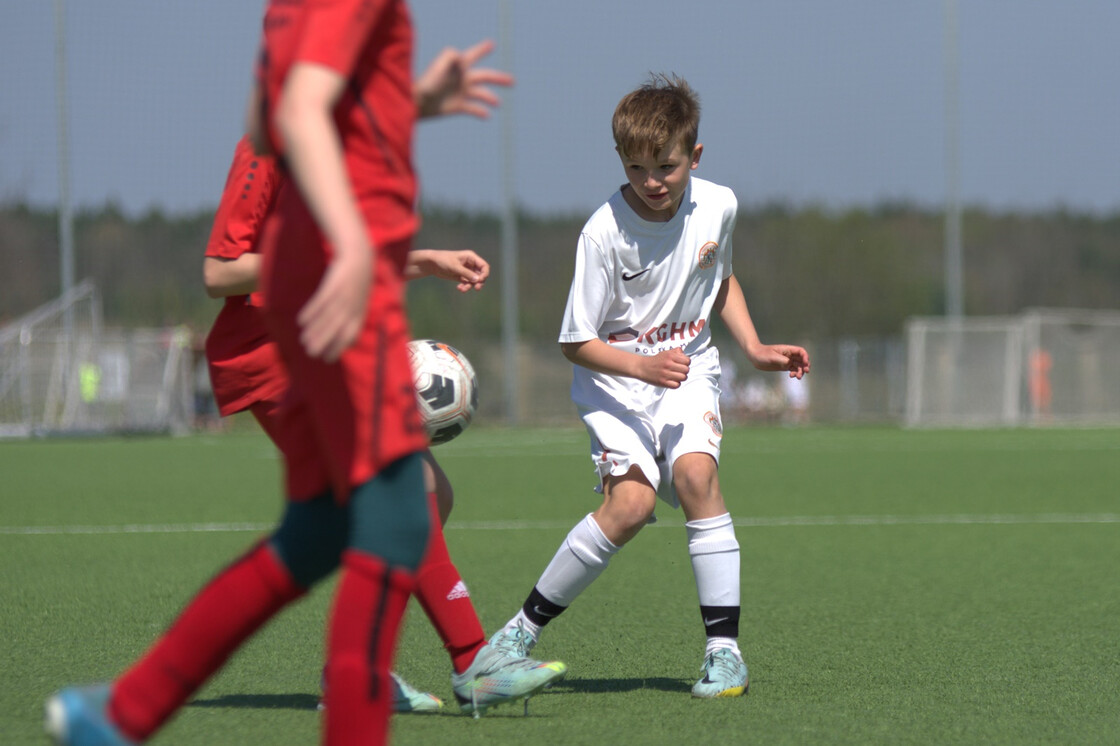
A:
406, 698
496, 677
725, 675
77, 716
409, 699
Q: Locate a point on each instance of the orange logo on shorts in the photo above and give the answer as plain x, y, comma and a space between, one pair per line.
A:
714, 423
707, 257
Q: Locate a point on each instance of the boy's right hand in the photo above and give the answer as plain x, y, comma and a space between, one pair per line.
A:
668, 368
333, 317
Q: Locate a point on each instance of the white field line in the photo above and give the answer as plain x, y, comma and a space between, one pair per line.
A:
963, 519
165, 528
834, 520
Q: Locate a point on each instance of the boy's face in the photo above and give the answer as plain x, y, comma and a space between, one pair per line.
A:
658, 180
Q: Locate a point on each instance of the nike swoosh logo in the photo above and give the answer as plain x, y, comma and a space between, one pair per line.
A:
717, 620
636, 275
542, 612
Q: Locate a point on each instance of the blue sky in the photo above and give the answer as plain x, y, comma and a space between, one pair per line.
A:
805, 101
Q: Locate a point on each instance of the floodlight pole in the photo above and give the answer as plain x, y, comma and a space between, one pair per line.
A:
65, 215
509, 233
65, 212
954, 276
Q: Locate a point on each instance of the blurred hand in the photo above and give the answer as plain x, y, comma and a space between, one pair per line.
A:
464, 267
782, 358
453, 85
333, 317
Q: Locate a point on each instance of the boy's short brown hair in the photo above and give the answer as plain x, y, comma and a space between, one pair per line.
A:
665, 109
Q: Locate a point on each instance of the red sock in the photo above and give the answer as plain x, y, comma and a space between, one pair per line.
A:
445, 599
227, 610
365, 619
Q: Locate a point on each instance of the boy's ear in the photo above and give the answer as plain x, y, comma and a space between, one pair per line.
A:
696, 153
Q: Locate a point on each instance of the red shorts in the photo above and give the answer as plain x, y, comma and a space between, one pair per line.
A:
343, 421
245, 366
267, 413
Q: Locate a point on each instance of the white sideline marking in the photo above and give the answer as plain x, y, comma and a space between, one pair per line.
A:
748, 522
833, 520
169, 528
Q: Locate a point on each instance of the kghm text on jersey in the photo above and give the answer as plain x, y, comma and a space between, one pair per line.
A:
668, 332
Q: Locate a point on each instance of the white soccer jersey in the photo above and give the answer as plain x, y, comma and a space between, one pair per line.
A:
646, 287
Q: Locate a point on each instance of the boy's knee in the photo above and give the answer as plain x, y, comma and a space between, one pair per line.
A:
634, 514
445, 501
694, 477
626, 511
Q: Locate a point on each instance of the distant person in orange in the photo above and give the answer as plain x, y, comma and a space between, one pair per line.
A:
1041, 391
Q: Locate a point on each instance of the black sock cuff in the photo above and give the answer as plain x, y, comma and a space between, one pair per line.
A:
539, 609
720, 621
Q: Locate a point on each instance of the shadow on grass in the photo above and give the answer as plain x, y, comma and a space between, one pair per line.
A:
598, 686
578, 686
261, 701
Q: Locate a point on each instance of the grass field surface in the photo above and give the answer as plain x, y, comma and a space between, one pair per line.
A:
898, 587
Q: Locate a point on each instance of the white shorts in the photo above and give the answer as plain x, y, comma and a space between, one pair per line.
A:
683, 420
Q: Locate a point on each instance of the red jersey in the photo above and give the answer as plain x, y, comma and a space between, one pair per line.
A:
370, 43
345, 421
245, 366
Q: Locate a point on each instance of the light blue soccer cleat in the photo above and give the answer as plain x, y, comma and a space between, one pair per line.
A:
495, 677
409, 699
725, 675
513, 641
77, 716
405, 697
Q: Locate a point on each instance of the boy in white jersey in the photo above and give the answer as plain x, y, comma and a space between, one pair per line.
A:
652, 265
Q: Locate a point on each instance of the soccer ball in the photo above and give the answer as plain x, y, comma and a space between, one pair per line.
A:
446, 388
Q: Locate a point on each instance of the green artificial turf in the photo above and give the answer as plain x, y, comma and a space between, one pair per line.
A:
898, 587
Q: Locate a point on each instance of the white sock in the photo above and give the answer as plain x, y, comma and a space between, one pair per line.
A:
714, 552
580, 559
526, 624
722, 643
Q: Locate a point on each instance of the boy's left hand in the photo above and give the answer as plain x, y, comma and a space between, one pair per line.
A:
782, 357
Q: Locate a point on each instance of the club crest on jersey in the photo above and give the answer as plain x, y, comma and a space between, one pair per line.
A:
714, 423
707, 257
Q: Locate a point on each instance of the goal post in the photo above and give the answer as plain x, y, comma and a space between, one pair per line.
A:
963, 372
1072, 366
62, 372
1041, 367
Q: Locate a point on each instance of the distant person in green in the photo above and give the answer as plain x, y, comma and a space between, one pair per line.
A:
89, 381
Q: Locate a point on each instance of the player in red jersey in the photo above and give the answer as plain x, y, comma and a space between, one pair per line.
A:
338, 110
349, 430
247, 374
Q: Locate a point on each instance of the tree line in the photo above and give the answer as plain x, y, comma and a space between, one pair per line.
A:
808, 272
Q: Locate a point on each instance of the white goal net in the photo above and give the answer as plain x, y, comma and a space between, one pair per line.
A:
62, 372
1045, 366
